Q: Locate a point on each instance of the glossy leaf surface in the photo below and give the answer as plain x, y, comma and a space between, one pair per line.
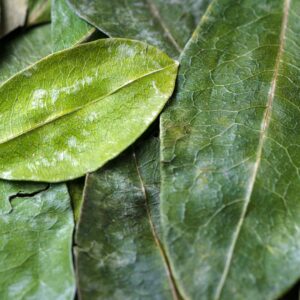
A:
13, 15
36, 238
22, 50
67, 28
119, 255
230, 154
60, 127
166, 24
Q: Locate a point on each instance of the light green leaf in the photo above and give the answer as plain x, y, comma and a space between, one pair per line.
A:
22, 50
39, 11
18, 52
67, 29
230, 154
13, 15
36, 238
166, 24
73, 111
121, 257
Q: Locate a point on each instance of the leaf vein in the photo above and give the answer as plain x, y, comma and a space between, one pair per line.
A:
66, 113
263, 135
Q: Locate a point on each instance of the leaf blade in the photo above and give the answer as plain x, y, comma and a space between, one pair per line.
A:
37, 228
119, 247
67, 29
22, 50
132, 193
17, 53
155, 22
221, 105
142, 78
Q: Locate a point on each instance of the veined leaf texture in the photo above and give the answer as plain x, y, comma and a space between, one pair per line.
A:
230, 150
166, 24
229, 209
126, 81
36, 241
36, 219
67, 29
131, 259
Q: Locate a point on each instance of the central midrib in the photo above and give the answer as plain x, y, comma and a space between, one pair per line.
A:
264, 128
155, 13
172, 283
67, 113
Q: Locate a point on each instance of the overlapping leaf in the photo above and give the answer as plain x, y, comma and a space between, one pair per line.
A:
20, 51
75, 110
104, 185
67, 29
9, 190
166, 24
230, 150
25, 272
36, 238
124, 242
17, 53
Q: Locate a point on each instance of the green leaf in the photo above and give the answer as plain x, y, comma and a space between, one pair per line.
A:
21, 50
77, 109
67, 29
10, 189
39, 11
230, 154
36, 222
122, 186
13, 15
123, 252
36, 238
166, 24
75, 188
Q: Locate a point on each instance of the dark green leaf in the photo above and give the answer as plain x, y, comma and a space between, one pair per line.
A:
36, 239
230, 151
21, 50
166, 24
67, 29
74, 110
119, 255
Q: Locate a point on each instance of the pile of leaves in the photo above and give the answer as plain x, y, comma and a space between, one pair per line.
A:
149, 149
